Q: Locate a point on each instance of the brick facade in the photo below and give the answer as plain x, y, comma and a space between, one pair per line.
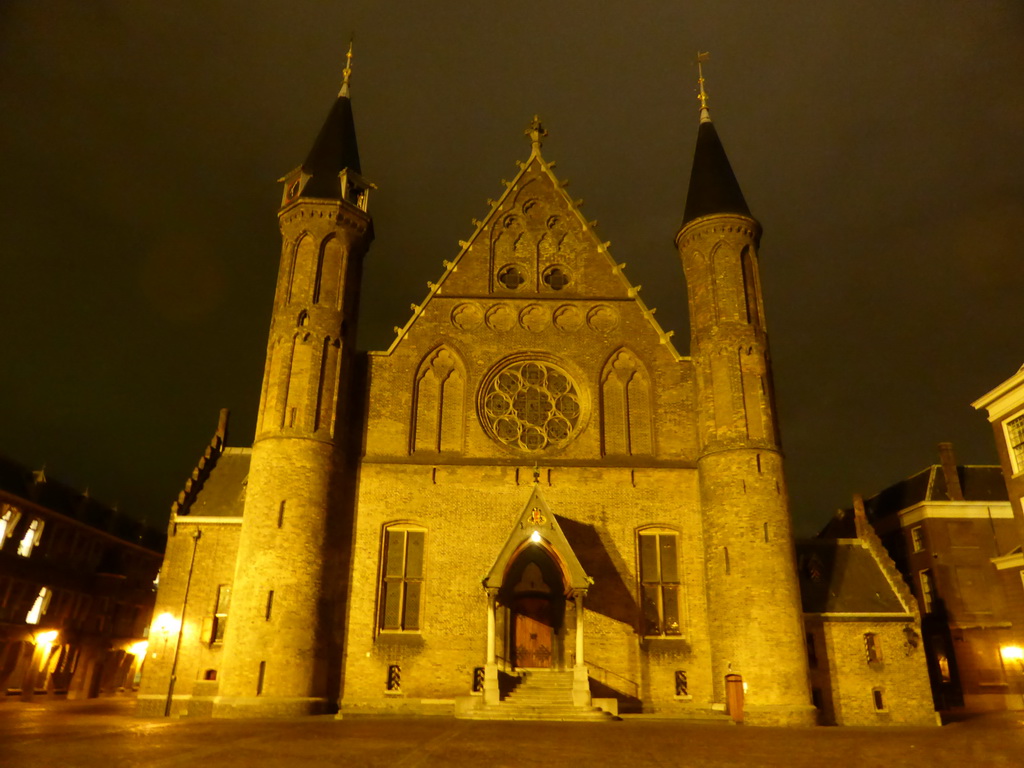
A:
531, 424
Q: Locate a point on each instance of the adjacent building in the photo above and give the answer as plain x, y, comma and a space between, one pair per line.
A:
864, 644
76, 590
531, 488
951, 532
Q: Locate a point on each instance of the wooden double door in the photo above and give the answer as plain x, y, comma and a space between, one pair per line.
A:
534, 633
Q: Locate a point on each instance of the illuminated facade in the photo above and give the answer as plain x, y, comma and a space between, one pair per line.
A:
76, 591
531, 487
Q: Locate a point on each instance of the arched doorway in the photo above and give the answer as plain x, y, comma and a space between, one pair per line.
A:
534, 596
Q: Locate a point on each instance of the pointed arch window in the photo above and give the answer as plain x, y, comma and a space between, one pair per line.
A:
402, 571
659, 582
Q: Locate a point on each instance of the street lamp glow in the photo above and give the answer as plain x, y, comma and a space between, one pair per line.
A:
1012, 653
166, 623
46, 638
139, 648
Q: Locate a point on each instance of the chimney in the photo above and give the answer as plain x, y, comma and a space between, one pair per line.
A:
860, 518
948, 459
221, 436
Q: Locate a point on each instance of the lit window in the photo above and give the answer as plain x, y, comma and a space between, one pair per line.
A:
7, 523
927, 591
38, 609
1015, 442
220, 614
31, 538
917, 538
872, 648
659, 579
401, 591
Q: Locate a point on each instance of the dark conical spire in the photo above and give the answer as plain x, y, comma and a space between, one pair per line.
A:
713, 186
335, 148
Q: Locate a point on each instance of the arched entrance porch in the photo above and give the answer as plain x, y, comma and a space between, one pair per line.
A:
534, 577
532, 598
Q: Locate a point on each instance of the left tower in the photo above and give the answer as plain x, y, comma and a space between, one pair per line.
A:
281, 649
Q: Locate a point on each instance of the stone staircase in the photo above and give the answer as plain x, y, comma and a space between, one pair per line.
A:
542, 695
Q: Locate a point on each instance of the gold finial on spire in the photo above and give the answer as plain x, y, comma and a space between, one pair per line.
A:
702, 97
346, 73
536, 133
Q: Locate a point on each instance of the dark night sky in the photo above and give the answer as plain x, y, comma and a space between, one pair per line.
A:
880, 144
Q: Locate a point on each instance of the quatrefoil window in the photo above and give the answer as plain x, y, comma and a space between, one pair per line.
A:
531, 406
511, 277
556, 278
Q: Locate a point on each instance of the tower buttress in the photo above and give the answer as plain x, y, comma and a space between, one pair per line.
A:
280, 648
754, 605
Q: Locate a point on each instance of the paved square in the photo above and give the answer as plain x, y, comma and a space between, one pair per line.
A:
103, 734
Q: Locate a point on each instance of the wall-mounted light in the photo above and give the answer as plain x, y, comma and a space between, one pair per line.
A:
1012, 653
47, 638
535, 537
138, 649
166, 623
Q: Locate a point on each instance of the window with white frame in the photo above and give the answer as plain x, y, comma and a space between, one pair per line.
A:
1015, 441
8, 520
31, 538
38, 609
659, 582
917, 538
220, 614
927, 591
401, 589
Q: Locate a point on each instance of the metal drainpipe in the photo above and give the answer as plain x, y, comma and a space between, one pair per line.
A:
181, 628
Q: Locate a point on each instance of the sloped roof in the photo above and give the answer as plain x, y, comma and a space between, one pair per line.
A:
978, 483
842, 576
223, 491
536, 517
334, 150
35, 487
535, 168
713, 186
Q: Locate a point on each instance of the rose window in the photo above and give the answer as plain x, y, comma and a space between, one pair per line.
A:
531, 406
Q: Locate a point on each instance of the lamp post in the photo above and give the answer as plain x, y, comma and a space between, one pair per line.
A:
181, 626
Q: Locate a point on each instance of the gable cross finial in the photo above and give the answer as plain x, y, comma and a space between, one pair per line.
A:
346, 73
536, 473
702, 97
536, 133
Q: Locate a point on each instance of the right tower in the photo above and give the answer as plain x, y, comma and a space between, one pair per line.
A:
755, 615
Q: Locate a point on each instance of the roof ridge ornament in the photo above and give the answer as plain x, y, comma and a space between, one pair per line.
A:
346, 73
702, 97
536, 133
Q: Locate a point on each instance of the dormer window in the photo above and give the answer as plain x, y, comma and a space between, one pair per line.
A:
354, 189
31, 537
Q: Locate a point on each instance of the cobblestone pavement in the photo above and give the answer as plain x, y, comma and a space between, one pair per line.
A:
103, 734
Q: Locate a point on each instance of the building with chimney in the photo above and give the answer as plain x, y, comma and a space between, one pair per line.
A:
532, 504
954, 537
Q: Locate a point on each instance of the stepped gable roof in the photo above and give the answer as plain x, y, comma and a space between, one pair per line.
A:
842, 576
223, 491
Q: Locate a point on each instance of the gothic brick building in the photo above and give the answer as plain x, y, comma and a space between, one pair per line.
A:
531, 486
